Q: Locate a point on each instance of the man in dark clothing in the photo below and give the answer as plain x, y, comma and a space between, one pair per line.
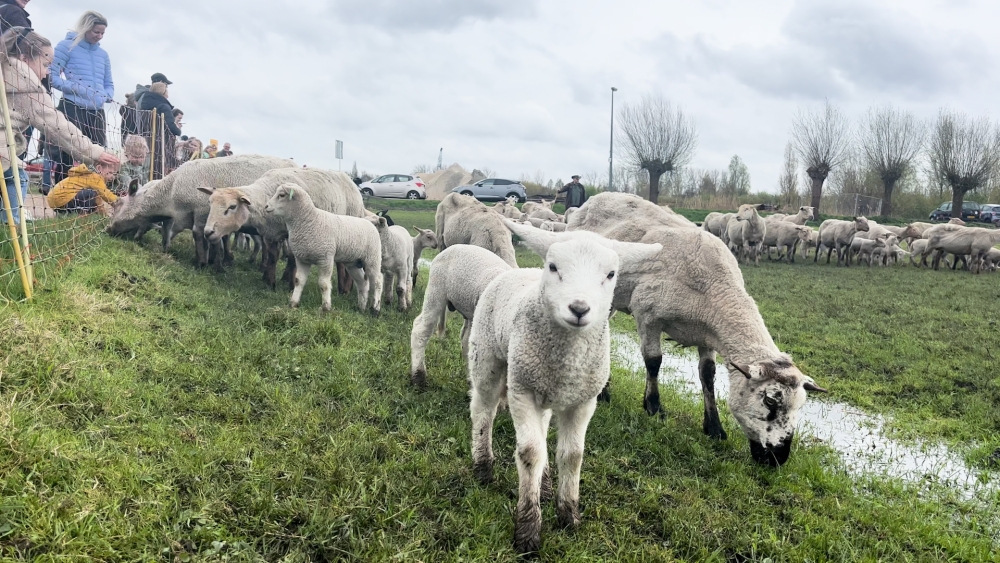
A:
156, 99
226, 150
576, 194
141, 90
12, 14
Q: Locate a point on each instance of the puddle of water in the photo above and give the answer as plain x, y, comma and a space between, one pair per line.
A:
860, 438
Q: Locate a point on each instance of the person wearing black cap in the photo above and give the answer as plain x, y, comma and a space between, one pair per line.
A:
576, 194
141, 90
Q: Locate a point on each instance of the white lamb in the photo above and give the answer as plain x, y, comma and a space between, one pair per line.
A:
462, 219
318, 237
425, 238
397, 262
544, 214
716, 223
458, 276
785, 236
541, 337
553, 226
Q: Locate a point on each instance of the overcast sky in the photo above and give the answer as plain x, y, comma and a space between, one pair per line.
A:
524, 85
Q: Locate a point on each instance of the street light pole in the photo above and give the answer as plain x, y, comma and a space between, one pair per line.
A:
611, 150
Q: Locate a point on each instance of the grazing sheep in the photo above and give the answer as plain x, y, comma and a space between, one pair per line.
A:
553, 226
693, 291
838, 235
397, 262
972, 241
785, 236
425, 238
235, 209
325, 239
624, 217
716, 223
541, 337
176, 201
458, 276
464, 220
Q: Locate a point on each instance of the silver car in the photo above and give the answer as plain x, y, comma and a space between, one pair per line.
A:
394, 185
494, 189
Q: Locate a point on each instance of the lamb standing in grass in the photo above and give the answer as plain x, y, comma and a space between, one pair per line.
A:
785, 236
425, 238
397, 262
318, 237
693, 292
541, 337
458, 276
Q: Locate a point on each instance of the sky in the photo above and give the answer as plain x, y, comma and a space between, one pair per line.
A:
522, 86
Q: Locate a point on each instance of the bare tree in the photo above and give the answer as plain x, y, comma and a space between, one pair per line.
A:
890, 140
965, 153
656, 138
822, 141
788, 182
738, 178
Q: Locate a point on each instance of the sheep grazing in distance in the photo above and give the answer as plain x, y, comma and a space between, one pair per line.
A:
972, 241
458, 276
705, 304
321, 238
176, 201
624, 217
838, 235
553, 226
716, 223
425, 238
236, 209
785, 236
464, 220
541, 337
397, 262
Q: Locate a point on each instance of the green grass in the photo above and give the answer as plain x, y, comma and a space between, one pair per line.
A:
153, 412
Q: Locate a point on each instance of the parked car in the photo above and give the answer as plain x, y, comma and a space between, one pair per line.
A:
970, 212
394, 185
494, 189
989, 212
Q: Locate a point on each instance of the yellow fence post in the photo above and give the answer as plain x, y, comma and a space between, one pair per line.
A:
21, 251
152, 144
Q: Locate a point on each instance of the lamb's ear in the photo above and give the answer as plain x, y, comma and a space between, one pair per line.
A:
537, 240
382, 223
631, 253
810, 385
206, 190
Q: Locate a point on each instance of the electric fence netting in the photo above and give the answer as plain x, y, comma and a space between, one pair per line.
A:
41, 231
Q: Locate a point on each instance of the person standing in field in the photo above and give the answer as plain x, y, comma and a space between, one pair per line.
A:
576, 194
26, 57
81, 70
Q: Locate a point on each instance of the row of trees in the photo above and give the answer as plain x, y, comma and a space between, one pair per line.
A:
958, 151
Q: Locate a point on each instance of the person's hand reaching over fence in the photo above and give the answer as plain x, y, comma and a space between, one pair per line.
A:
108, 159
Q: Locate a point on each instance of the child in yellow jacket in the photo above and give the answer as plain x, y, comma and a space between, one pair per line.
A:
82, 189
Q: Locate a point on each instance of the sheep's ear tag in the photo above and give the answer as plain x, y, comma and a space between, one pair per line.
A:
291, 194
745, 370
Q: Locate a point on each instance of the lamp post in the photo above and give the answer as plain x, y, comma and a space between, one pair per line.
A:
611, 150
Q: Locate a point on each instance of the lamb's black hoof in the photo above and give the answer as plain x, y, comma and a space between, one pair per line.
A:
652, 404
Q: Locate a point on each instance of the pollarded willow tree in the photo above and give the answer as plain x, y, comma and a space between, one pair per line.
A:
964, 153
822, 140
656, 138
890, 140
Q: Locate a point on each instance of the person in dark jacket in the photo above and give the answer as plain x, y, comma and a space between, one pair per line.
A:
12, 14
576, 194
156, 99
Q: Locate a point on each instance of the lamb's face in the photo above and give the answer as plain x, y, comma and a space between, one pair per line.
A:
765, 399
125, 216
578, 283
804, 234
427, 238
229, 211
809, 212
861, 224
281, 200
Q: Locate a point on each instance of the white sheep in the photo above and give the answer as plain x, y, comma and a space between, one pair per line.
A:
992, 259
462, 219
425, 238
397, 262
939, 229
533, 221
705, 304
805, 214
176, 201
325, 239
716, 223
458, 276
624, 217
544, 214
531, 206
968, 241
754, 230
541, 337
838, 235
785, 236
865, 249
553, 226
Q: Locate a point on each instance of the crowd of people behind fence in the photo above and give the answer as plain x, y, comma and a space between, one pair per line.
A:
78, 170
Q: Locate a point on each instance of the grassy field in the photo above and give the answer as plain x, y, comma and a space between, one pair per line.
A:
153, 412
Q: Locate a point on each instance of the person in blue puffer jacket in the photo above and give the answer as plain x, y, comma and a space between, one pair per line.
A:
81, 70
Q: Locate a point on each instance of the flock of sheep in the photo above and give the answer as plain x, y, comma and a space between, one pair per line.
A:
535, 339
748, 235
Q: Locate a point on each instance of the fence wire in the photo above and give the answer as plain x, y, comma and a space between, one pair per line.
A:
57, 237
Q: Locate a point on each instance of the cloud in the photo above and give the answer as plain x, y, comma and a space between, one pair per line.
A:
407, 16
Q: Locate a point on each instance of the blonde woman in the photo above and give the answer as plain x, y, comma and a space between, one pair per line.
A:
26, 56
81, 70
